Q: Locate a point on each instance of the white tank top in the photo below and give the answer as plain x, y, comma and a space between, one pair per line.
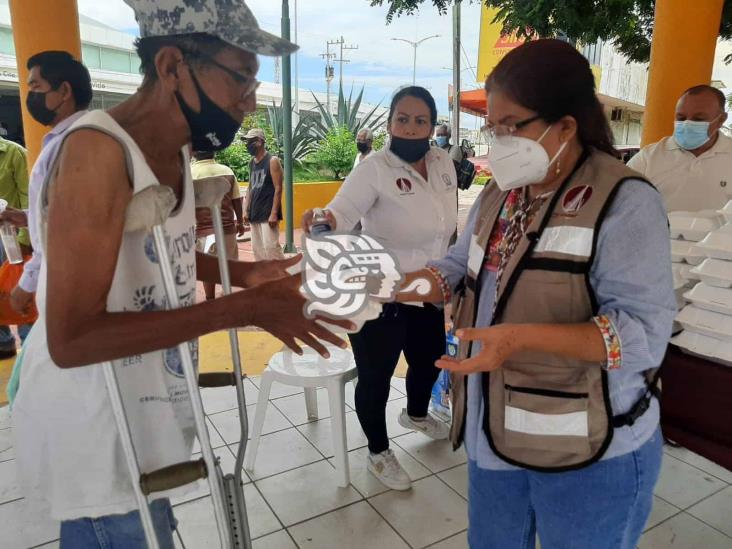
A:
68, 450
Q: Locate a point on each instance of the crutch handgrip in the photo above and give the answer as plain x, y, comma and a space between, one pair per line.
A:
151, 206
173, 476
217, 379
210, 191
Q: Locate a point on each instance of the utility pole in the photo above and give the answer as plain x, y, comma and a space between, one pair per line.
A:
456, 46
329, 72
287, 131
296, 69
341, 60
277, 71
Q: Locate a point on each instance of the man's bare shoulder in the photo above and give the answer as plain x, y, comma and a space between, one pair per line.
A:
87, 151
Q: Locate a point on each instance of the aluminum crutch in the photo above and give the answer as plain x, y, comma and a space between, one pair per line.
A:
209, 193
148, 210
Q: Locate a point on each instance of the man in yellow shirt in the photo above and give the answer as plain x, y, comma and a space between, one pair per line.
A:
205, 166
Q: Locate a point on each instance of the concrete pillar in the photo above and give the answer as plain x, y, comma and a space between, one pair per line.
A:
40, 25
682, 55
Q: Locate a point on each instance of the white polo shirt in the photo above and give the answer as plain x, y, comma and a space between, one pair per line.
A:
413, 218
688, 182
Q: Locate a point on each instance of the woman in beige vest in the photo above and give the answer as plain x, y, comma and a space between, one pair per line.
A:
563, 311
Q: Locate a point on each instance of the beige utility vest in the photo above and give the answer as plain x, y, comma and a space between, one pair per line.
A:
543, 411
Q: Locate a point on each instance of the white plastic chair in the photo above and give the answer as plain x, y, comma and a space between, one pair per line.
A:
309, 371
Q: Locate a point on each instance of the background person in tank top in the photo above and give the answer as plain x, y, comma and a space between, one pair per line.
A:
263, 209
100, 294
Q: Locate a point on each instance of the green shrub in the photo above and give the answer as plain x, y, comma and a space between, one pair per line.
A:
336, 152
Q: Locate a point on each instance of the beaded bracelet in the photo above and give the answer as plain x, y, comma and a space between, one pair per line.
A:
612, 341
442, 282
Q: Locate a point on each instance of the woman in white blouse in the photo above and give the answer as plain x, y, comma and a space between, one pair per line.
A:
404, 196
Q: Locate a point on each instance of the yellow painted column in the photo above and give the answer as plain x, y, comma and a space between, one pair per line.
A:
682, 55
40, 25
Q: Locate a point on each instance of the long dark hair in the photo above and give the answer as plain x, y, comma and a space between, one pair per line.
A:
553, 79
418, 92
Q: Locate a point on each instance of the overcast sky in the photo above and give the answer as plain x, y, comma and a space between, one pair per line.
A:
379, 63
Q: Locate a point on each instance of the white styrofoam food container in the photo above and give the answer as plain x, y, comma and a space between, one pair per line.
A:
711, 298
726, 212
715, 272
681, 250
705, 322
705, 346
717, 244
693, 226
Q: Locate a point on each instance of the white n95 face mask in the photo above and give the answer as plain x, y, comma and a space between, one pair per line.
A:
519, 161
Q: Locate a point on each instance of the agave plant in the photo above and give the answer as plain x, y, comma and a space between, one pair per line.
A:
347, 116
304, 139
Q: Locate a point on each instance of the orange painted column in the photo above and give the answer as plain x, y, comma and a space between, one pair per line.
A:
682, 55
40, 25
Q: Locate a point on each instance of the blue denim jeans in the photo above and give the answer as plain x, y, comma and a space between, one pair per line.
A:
7, 338
603, 506
119, 531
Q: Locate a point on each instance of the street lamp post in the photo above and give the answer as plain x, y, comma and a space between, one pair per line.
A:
415, 45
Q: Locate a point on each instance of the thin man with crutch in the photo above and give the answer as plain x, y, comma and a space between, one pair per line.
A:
118, 285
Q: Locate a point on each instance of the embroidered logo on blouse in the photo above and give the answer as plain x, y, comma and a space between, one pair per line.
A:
404, 185
575, 198
446, 179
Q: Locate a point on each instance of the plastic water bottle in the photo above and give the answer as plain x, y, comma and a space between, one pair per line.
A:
320, 224
9, 235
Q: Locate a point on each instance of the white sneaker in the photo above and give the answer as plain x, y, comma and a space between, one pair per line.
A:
429, 425
386, 468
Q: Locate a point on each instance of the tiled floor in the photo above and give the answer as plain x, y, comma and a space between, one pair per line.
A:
293, 501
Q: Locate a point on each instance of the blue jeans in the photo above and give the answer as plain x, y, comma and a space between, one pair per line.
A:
603, 506
119, 531
7, 338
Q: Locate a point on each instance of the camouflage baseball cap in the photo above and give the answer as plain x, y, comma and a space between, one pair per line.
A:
230, 20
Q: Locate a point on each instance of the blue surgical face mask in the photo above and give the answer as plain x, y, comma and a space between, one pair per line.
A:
691, 134
441, 140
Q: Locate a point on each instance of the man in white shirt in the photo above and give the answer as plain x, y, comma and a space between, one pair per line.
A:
692, 168
364, 144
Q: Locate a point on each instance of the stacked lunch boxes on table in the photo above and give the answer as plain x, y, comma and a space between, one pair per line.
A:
702, 253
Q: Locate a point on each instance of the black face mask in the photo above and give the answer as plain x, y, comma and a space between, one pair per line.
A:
212, 129
253, 148
409, 150
362, 147
35, 102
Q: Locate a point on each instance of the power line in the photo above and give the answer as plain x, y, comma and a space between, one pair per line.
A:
342, 44
328, 72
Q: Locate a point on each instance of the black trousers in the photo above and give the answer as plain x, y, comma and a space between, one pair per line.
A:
420, 333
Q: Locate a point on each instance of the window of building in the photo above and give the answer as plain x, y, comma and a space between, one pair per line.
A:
90, 56
7, 46
115, 60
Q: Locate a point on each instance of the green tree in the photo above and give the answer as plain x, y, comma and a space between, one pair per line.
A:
236, 157
379, 140
628, 23
337, 151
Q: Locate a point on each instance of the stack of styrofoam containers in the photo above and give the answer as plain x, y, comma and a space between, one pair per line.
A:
687, 229
707, 319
